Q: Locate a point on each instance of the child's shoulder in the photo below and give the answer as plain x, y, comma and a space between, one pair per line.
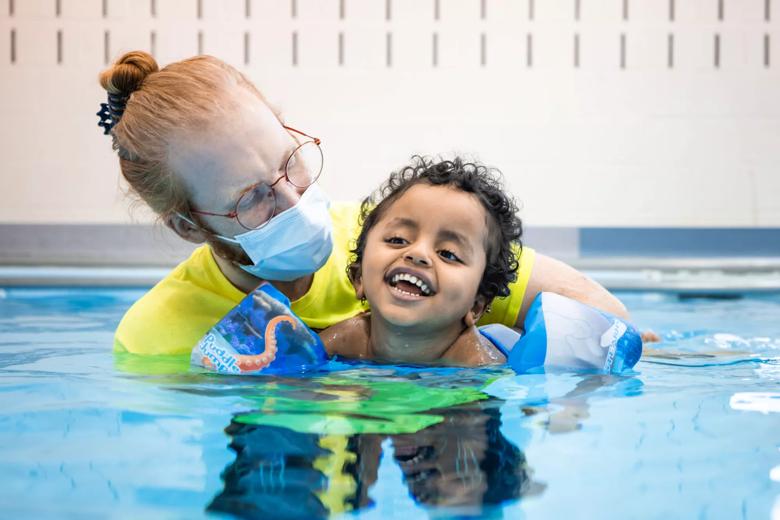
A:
473, 349
348, 338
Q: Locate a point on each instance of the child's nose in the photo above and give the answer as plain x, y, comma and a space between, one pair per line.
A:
418, 258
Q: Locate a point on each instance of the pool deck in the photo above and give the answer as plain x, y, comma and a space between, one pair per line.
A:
690, 260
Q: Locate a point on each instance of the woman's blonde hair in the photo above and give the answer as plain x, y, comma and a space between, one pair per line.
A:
162, 104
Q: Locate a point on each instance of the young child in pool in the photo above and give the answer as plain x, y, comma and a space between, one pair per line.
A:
436, 247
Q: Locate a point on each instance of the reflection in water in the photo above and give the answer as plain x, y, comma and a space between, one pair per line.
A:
463, 461
280, 473
310, 448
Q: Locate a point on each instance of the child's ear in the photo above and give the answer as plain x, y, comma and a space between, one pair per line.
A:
359, 292
354, 275
476, 311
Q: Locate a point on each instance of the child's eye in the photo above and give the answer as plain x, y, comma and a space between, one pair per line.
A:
396, 241
449, 255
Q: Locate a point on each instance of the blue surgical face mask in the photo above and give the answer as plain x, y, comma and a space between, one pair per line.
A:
294, 243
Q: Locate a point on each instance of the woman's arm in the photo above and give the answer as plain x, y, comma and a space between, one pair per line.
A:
551, 275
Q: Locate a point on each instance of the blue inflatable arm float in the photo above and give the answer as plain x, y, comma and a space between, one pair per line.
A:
260, 334
563, 333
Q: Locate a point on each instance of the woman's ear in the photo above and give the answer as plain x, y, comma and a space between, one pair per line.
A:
476, 311
185, 228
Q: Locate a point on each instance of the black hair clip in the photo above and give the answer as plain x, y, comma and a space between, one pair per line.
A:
110, 113
105, 119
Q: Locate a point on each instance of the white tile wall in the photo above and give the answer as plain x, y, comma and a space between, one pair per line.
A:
224, 10
174, 45
412, 11
701, 11
34, 9
645, 12
646, 47
178, 10
272, 10
365, 45
647, 145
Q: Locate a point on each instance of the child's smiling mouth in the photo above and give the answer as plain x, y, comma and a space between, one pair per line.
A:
409, 284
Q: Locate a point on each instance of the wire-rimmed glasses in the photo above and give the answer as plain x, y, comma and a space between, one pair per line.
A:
257, 204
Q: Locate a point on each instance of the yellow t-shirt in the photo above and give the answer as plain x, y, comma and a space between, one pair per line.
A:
183, 306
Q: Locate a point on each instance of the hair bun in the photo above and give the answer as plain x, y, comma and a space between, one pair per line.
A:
127, 73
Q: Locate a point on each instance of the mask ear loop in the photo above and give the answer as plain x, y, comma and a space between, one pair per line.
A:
216, 235
231, 241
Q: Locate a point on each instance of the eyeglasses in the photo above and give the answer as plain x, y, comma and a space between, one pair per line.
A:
257, 204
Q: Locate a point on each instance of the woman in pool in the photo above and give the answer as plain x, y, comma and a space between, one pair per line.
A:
199, 144
435, 249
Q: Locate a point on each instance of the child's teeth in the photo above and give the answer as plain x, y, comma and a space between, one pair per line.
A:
413, 280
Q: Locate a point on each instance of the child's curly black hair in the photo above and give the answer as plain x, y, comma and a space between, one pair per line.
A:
504, 226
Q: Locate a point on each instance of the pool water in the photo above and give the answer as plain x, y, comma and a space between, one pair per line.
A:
693, 432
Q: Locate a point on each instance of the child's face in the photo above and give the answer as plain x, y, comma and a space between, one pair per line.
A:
425, 257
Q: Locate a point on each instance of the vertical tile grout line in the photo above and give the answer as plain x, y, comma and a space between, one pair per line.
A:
435, 49
246, 47
389, 49
58, 14
11, 9
388, 36
717, 51
766, 50
622, 50
483, 10
529, 42
294, 15
104, 8
767, 10
200, 42
342, 15
199, 9
436, 9
59, 47
13, 46
295, 48
247, 9
670, 37
576, 50
625, 10
153, 8
721, 9
106, 47
483, 49
341, 48
577, 13
153, 43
